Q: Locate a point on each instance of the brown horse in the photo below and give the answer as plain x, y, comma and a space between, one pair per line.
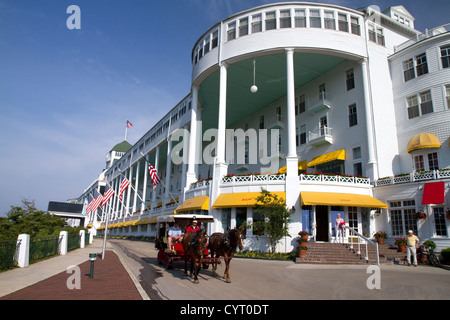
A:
194, 245
224, 245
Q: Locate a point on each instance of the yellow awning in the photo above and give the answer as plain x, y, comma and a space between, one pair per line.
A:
340, 199
245, 199
196, 203
121, 224
327, 157
130, 223
422, 141
301, 166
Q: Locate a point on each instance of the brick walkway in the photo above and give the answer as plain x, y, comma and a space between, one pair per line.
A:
111, 282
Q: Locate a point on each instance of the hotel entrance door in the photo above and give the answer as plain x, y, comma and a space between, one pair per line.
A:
322, 224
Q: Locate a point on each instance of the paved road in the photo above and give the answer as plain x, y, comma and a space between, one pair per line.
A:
282, 280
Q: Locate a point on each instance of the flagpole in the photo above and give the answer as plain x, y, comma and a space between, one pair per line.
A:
106, 232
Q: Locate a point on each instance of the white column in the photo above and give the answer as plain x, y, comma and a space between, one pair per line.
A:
184, 163
63, 236
136, 185
23, 256
292, 183
191, 175
130, 178
371, 167
221, 128
168, 171
144, 186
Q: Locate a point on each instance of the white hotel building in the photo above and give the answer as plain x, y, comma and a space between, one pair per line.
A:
359, 96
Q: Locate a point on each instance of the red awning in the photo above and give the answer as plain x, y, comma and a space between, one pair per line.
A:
433, 193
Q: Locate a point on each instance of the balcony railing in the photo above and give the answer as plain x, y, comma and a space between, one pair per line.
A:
324, 178
414, 177
321, 136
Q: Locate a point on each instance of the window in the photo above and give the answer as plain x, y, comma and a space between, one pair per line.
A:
300, 18
256, 23
418, 163
372, 36
323, 126
433, 163
343, 22
278, 112
261, 122
207, 45
350, 79
439, 221
357, 167
285, 18
271, 22
353, 218
355, 26
302, 134
408, 70
352, 115
380, 36
215, 39
447, 94
426, 105
231, 33
445, 56
421, 64
402, 217
314, 19
243, 27
329, 20
300, 104
413, 107
322, 92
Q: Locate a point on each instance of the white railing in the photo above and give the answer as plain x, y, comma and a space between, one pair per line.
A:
414, 176
428, 34
333, 179
253, 178
321, 132
365, 241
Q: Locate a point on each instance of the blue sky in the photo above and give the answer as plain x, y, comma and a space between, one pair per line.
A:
65, 95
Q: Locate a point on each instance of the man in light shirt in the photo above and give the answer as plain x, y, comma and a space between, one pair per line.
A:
411, 245
174, 235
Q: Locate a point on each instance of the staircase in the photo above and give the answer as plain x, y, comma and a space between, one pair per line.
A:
336, 253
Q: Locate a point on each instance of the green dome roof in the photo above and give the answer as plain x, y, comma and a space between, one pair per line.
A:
124, 146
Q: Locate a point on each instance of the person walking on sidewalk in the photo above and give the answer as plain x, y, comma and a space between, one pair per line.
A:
411, 245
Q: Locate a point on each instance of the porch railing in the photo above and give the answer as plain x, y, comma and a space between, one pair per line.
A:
367, 241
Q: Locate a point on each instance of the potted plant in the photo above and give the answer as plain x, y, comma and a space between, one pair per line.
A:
302, 251
380, 236
421, 253
401, 244
429, 245
302, 242
420, 215
304, 235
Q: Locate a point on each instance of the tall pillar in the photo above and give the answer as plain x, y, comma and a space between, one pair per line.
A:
136, 186
167, 195
292, 182
220, 167
191, 175
371, 167
144, 187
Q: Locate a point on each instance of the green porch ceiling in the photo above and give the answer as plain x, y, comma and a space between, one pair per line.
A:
270, 79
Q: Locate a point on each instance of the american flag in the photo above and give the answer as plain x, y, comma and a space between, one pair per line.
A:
109, 192
88, 207
129, 125
97, 200
154, 175
123, 186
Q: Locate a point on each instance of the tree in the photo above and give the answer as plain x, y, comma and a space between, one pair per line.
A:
276, 218
27, 219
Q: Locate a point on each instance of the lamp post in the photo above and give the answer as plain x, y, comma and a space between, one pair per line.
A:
92, 258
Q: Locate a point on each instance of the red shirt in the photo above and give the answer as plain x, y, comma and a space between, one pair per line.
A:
190, 228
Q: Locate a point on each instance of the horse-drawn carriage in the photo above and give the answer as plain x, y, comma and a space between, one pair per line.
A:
195, 247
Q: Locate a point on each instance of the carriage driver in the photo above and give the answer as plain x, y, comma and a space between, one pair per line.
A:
175, 234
